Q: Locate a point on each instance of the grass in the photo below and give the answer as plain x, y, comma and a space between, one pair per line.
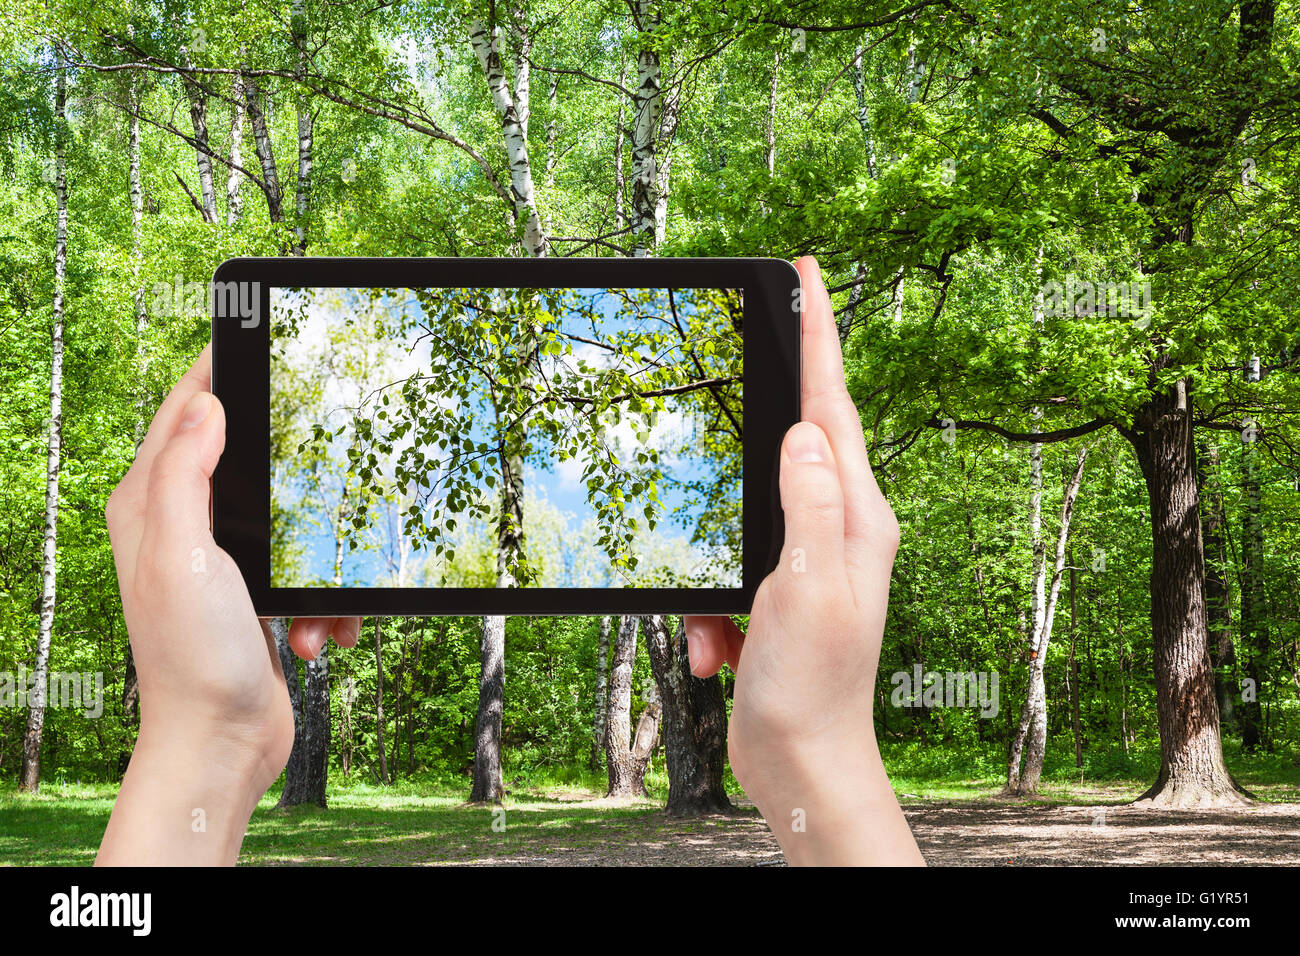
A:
921, 773
558, 811
425, 821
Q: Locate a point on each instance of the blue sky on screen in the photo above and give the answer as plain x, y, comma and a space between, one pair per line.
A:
549, 485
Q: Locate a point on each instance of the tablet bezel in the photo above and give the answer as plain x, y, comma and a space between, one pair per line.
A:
241, 487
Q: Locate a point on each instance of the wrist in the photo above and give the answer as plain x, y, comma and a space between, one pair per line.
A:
829, 802
186, 798
219, 754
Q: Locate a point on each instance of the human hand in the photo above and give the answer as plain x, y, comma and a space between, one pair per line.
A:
801, 739
215, 720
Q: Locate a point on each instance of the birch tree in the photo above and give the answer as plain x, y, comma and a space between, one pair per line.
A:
198, 105
1031, 734
30, 774
627, 757
512, 107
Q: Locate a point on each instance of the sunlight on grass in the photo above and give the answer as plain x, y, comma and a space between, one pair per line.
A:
558, 811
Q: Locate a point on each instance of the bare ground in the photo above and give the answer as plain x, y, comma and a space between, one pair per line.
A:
1019, 835
973, 833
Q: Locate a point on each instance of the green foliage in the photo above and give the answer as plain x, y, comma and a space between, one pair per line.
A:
945, 166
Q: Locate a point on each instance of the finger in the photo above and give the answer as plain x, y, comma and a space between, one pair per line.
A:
127, 503
706, 643
197, 378
735, 642
308, 635
826, 403
177, 509
813, 503
346, 631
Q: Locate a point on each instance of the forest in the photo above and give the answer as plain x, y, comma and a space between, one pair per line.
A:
1062, 241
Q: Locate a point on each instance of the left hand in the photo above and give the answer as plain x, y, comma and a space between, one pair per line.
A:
212, 694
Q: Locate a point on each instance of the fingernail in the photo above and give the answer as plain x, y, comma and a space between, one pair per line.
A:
807, 444
196, 410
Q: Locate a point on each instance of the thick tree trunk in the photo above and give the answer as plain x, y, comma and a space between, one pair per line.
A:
1192, 771
695, 719
625, 763
315, 736
1218, 597
492, 648
30, 774
600, 713
488, 786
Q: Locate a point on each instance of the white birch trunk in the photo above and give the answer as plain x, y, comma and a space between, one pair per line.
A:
306, 139
626, 765
234, 178
647, 116
512, 110
265, 154
1031, 735
30, 778
199, 120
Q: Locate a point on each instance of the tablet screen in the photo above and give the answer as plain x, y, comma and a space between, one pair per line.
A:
505, 437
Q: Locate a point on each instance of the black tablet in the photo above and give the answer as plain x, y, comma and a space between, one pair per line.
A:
503, 436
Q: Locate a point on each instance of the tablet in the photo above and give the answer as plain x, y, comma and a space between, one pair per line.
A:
503, 436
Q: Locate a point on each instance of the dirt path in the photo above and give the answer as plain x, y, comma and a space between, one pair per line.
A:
986, 833
1005, 834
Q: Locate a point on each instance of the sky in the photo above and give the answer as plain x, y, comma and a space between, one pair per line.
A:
342, 369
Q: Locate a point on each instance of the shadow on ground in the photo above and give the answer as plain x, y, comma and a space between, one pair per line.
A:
576, 828
1036, 835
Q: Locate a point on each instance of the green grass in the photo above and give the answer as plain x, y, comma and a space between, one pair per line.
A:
557, 808
921, 772
426, 821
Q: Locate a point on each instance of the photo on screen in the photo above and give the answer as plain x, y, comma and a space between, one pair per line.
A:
506, 437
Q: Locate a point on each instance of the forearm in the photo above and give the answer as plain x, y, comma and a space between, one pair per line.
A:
186, 800
834, 806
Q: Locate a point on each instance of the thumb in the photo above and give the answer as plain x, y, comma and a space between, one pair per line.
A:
179, 497
813, 503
